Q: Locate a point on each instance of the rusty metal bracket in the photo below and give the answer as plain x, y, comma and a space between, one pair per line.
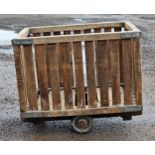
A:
22, 41
130, 35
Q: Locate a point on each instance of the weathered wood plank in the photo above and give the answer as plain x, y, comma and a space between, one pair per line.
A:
46, 33
127, 70
30, 77
89, 49
130, 27
67, 32
87, 31
117, 29
60, 59
53, 74
67, 73
121, 62
92, 111
36, 34
114, 50
42, 75
76, 27
83, 37
20, 78
109, 57
23, 33
79, 75
138, 74
72, 60
102, 67
97, 30
56, 33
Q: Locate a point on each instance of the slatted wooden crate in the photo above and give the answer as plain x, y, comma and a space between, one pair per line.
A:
89, 69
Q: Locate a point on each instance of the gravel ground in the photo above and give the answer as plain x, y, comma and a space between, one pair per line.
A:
140, 128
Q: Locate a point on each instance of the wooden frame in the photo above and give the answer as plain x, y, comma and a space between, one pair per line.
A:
51, 76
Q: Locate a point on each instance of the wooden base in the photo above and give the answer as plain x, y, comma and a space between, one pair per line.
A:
78, 112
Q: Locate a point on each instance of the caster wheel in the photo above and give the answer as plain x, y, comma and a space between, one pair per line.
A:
82, 124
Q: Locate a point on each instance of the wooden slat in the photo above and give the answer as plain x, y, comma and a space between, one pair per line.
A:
53, 74
77, 32
24, 33
114, 51
102, 67
83, 37
79, 75
97, 30
91, 111
117, 29
87, 31
109, 56
72, 62
56, 33
107, 29
76, 27
20, 78
90, 73
67, 32
138, 74
30, 77
130, 27
60, 59
46, 33
127, 70
67, 73
36, 34
42, 75
121, 61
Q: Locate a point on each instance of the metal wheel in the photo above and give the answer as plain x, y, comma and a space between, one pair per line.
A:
82, 124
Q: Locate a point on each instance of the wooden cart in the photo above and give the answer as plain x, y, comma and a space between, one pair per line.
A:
79, 72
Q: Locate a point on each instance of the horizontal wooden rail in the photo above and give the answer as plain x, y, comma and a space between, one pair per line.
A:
75, 112
76, 27
130, 27
77, 37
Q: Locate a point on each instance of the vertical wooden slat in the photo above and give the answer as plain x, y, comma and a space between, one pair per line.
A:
56, 33
117, 29
67, 32
138, 74
53, 74
127, 50
36, 34
60, 59
67, 73
109, 56
114, 51
90, 73
97, 30
46, 33
72, 60
102, 67
30, 77
87, 31
79, 75
20, 78
121, 62
77, 31
42, 75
